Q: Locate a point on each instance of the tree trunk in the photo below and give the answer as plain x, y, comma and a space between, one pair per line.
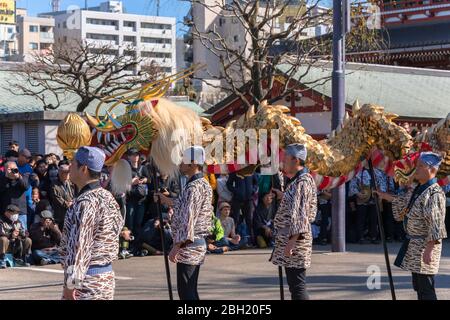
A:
84, 104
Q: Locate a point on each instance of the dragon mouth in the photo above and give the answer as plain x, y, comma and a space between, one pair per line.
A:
114, 141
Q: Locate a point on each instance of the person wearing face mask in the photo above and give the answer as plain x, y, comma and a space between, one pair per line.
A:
13, 238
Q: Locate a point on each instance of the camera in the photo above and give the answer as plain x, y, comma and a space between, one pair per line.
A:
15, 170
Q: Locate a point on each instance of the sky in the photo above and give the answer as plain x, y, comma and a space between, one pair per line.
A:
169, 8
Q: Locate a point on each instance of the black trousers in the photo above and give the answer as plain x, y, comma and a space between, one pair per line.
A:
366, 215
423, 284
296, 279
187, 277
325, 210
247, 213
388, 219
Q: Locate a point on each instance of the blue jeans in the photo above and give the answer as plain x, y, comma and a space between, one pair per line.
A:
135, 217
52, 255
23, 220
224, 243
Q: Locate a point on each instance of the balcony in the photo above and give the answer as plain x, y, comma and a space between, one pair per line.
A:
156, 47
102, 43
156, 33
101, 27
129, 29
47, 37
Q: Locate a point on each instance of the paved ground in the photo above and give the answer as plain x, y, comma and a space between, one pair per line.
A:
243, 274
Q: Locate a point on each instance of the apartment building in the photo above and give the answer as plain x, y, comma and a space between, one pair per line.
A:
151, 38
230, 28
28, 36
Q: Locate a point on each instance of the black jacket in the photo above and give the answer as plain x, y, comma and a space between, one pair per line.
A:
13, 192
44, 238
242, 188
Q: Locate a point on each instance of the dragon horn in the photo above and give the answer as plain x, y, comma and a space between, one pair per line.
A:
356, 106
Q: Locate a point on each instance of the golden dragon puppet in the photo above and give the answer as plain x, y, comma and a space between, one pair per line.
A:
162, 130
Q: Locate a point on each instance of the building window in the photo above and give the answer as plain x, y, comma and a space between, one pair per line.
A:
152, 54
33, 46
34, 28
236, 38
10, 30
159, 26
156, 40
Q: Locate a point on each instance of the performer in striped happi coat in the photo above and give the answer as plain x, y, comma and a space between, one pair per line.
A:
422, 211
298, 208
90, 239
191, 223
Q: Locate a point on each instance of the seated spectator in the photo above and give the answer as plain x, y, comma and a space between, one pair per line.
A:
150, 239
13, 239
45, 236
125, 238
214, 244
231, 239
264, 214
222, 240
42, 205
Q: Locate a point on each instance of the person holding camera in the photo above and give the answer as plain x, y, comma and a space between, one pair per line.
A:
13, 188
138, 194
13, 238
45, 236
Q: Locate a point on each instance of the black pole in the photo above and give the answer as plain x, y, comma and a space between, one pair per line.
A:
280, 269
337, 117
380, 226
280, 278
163, 235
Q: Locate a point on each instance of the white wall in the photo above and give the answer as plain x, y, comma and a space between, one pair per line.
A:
315, 122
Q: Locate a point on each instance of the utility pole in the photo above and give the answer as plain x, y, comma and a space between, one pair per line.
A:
157, 7
341, 24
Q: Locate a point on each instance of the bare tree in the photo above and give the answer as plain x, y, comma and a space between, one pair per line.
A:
85, 71
274, 32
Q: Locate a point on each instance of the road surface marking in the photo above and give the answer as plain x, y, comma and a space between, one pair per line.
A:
59, 271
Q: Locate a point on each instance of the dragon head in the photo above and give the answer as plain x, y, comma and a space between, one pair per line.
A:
133, 129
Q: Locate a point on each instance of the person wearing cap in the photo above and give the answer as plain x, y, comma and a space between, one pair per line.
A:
62, 193
90, 240
46, 236
422, 211
292, 222
191, 222
13, 238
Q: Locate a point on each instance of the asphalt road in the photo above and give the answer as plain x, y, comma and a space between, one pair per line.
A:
245, 274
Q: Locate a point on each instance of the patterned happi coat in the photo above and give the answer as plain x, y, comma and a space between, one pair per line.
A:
425, 222
91, 237
297, 210
192, 220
